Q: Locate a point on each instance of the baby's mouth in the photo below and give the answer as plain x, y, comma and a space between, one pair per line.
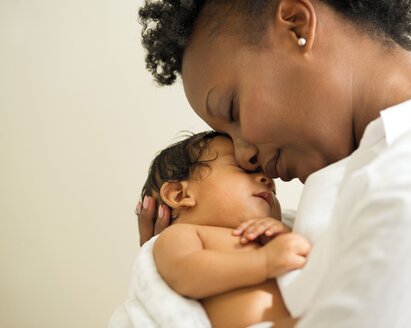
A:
267, 196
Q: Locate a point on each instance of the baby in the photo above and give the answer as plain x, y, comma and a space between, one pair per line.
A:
226, 244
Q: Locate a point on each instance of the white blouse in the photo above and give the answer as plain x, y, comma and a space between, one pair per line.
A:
357, 214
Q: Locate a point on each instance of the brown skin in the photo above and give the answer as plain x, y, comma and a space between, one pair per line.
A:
151, 223
311, 103
200, 256
286, 323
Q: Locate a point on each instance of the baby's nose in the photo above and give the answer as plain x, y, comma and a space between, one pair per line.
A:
265, 180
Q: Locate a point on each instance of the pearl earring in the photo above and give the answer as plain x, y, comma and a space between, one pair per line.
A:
301, 42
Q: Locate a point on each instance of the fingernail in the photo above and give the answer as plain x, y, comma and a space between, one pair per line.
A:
160, 212
146, 202
138, 208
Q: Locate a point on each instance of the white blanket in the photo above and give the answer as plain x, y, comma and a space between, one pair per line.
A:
152, 303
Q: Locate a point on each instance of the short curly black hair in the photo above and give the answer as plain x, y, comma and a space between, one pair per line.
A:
390, 20
168, 24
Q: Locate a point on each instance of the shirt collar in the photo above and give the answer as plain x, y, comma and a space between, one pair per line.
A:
396, 120
392, 123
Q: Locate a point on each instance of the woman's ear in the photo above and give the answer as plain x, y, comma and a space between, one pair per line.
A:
175, 195
299, 18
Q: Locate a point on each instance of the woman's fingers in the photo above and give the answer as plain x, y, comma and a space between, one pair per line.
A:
163, 219
146, 217
148, 224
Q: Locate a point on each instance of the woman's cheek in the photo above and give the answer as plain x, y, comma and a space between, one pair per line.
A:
257, 129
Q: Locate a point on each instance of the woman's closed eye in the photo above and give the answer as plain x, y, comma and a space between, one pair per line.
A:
232, 111
256, 170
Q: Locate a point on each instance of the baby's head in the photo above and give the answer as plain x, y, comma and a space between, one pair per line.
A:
201, 181
177, 163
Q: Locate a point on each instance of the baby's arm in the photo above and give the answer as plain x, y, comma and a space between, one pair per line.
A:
196, 272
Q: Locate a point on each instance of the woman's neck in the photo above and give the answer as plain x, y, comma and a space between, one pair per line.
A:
380, 80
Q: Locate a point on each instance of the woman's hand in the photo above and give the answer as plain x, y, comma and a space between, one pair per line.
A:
148, 224
265, 229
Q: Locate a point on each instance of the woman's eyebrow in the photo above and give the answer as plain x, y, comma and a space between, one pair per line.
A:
208, 109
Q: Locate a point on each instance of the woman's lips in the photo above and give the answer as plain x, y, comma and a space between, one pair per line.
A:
275, 169
271, 167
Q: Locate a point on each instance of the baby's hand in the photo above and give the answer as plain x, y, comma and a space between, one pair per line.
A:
264, 228
285, 253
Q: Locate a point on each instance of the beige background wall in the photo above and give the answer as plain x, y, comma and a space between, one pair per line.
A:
80, 120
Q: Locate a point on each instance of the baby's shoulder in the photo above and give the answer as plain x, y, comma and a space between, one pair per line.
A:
180, 227
179, 231
178, 238
192, 231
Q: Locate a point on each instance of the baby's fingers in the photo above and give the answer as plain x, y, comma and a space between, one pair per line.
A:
300, 257
257, 229
241, 228
262, 228
304, 247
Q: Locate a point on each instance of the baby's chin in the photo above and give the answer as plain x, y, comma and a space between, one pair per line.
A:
276, 215
263, 214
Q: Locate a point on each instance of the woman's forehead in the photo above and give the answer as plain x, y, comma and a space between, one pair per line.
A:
207, 65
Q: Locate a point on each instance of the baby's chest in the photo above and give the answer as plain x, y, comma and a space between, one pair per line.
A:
221, 239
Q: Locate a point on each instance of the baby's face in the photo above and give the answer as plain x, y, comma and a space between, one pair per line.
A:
227, 195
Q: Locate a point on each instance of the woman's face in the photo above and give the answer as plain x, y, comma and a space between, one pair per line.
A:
283, 109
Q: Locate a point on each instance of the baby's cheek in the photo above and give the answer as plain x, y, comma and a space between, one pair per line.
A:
276, 211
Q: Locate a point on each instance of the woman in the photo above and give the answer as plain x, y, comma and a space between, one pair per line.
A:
308, 89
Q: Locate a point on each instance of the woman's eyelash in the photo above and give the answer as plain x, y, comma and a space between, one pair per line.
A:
231, 111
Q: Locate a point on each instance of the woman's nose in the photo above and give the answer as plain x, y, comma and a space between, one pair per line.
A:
246, 155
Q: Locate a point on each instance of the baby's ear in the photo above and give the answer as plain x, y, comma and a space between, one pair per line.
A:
175, 195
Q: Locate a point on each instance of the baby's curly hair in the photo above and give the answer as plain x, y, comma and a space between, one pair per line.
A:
168, 24
177, 162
